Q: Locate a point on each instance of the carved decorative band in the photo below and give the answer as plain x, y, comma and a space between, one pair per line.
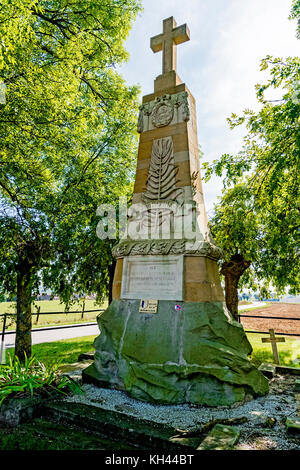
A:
166, 247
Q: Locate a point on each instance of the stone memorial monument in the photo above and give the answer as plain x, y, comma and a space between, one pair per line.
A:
167, 336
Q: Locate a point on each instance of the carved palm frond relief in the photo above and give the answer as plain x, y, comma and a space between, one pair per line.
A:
161, 182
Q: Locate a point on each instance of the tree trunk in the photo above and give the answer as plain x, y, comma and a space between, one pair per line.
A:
232, 271
111, 272
24, 318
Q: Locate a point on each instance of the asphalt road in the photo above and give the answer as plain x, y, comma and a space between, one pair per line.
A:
45, 335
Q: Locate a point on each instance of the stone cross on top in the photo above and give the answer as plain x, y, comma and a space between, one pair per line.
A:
167, 42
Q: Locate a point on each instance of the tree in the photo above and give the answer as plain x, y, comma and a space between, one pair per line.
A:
256, 221
68, 137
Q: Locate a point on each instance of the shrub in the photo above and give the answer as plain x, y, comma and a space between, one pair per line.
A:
33, 376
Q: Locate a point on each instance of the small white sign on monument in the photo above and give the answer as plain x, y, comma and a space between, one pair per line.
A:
148, 306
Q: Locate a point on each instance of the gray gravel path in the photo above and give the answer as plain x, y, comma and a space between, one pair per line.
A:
280, 403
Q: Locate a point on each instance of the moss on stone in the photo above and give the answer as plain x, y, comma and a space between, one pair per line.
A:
197, 354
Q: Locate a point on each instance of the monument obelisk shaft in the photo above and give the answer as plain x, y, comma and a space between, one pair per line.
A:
170, 113
167, 337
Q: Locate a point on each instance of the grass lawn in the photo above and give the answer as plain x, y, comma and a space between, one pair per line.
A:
262, 352
252, 308
63, 352
54, 306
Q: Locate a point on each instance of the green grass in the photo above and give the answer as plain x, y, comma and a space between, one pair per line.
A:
253, 308
262, 352
63, 352
53, 306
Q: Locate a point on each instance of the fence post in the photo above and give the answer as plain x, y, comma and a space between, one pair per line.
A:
2, 337
38, 314
83, 307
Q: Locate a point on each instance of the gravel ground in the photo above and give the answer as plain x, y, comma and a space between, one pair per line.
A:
280, 403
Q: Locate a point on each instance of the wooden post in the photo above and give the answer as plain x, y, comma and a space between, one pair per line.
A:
38, 314
83, 307
2, 337
273, 340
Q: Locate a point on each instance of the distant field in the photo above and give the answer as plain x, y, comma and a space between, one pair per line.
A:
275, 310
54, 306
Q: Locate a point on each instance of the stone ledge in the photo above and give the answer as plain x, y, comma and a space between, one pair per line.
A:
138, 432
269, 370
220, 438
293, 424
288, 370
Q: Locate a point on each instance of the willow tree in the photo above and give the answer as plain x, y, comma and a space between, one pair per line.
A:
256, 221
67, 144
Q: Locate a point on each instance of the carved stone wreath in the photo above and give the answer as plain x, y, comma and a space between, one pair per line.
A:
163, 112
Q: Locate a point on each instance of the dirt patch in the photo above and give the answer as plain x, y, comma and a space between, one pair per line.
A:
278, 325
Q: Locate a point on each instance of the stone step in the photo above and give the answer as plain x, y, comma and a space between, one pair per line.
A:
220, 438
293, 424
269, 370
88, 356
287, 370
140, 433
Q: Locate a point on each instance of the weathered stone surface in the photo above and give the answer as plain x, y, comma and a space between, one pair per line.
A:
74, 370
86, 356
287, 370
220, 438
293, 424
193, 355
269, 370
14, 411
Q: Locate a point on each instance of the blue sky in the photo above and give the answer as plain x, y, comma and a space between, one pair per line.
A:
220, 64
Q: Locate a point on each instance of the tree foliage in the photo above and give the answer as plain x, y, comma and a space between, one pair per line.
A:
257, 217
67, 136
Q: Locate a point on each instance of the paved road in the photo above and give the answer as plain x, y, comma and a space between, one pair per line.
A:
44, 335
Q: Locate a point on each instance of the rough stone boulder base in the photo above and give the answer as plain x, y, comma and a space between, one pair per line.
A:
196, 354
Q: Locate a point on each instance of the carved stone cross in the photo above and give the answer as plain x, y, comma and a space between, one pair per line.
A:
273, 340
167, 42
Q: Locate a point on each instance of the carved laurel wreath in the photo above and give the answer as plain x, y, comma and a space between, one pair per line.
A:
163, 112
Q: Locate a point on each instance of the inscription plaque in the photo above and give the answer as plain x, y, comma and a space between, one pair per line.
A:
152, 277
